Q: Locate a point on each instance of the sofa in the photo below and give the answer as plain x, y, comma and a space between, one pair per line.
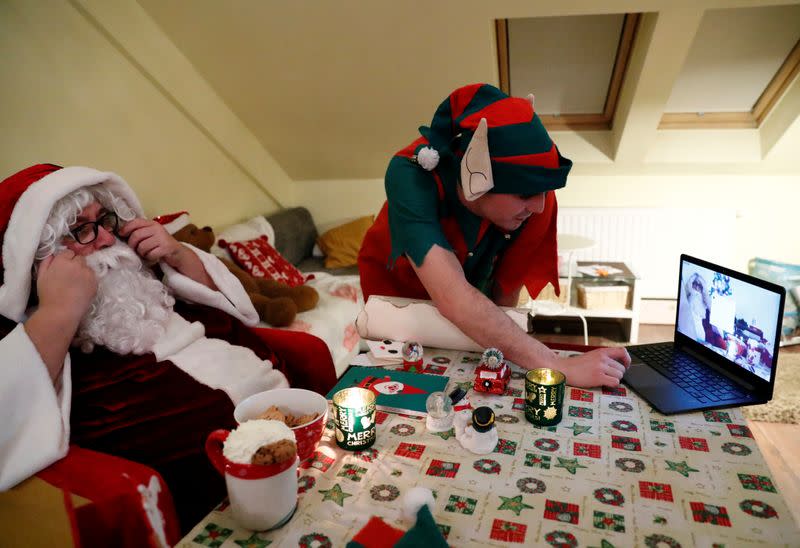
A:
293, 233
296, 237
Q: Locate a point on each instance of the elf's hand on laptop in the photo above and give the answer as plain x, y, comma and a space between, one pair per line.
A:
600, 367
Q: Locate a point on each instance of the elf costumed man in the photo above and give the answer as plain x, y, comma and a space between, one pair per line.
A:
470, 218
153, 375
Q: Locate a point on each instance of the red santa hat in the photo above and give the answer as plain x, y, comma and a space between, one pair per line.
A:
173, 222
26, 199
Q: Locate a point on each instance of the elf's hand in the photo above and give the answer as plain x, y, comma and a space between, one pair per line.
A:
151, 241
600, 367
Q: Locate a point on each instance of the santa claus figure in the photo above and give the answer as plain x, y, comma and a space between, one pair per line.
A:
99, 346
695, 313
388, 386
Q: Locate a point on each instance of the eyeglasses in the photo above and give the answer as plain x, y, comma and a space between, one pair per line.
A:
87, 232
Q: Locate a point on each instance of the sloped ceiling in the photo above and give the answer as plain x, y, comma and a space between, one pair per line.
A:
332, 89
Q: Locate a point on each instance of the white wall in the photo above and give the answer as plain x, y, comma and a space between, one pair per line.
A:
73, 94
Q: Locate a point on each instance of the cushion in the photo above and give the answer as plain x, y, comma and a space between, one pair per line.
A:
317, 264
295, 233
261, 260
341, 244
239, 232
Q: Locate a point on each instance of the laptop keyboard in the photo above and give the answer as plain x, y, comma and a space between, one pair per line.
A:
702, 382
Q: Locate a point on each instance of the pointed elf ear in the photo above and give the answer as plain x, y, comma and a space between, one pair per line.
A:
532, 99
476, 165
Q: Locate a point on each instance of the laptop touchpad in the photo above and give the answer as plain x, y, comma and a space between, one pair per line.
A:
656, 389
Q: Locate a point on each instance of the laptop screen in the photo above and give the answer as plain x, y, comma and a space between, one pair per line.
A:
729, 316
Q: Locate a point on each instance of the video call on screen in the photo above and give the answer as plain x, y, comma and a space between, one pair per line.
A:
733, 318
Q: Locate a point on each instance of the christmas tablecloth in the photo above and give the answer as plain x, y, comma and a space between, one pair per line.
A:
614, 472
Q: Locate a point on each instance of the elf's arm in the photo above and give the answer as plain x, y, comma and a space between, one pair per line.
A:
481, 320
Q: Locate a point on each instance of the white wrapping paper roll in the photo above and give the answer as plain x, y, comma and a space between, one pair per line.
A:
401, 319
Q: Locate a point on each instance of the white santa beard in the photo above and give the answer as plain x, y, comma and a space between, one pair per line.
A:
129, 314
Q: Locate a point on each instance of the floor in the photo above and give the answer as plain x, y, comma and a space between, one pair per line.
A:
779, 443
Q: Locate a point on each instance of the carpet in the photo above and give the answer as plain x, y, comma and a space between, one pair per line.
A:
785, 403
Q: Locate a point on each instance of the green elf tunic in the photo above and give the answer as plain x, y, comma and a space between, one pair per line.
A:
423, 209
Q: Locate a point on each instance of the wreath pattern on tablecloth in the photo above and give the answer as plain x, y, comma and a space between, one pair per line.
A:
317, 540
738, 449
441, 360
487, 466
531, 486
758, 509
304, 483
658, 541
620, 406
625, 426
384, 492
546, 444
403, 429
507, 419
630, 465
560, 539
607, 495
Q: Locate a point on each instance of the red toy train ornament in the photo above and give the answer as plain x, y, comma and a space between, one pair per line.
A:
492, 374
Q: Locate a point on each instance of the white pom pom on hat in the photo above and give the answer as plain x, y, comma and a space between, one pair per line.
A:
414, 499
428, 158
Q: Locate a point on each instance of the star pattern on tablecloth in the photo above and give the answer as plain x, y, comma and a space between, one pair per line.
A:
578, 428
514, 504
254, 541
571, 465
335, 494
682, 468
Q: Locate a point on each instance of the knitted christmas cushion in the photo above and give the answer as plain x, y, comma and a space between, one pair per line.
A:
261, 260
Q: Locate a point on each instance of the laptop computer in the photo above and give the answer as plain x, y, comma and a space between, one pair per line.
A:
725, 348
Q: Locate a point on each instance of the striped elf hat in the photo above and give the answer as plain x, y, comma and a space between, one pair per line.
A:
501, 142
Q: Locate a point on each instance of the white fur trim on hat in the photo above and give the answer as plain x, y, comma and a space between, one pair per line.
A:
28, 219
177, 223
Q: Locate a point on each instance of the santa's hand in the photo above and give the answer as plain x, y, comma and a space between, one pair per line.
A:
65, 285
600, 367
152, 242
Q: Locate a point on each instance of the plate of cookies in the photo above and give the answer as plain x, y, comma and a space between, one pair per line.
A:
304, 411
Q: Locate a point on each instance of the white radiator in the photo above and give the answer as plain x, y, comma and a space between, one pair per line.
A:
650, 240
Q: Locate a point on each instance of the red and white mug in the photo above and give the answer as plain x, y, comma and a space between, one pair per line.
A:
262, 496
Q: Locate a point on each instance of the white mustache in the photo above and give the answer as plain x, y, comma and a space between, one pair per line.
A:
117, 256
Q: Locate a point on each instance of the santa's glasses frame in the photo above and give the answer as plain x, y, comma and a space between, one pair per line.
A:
86, 233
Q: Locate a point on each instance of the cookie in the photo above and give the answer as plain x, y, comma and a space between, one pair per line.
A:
275, 453
302, 419
273, 414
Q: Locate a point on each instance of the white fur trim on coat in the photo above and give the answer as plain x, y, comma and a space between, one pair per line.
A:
178, 223
35, 430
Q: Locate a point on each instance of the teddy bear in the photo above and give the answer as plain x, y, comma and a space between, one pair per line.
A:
276, 303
